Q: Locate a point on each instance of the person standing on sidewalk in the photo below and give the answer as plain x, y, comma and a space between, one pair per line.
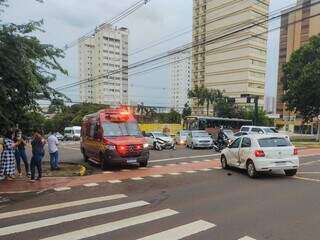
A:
53, 143
20, 153
37, 155
7, 160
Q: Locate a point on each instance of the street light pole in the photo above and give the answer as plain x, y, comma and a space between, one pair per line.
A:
256, 110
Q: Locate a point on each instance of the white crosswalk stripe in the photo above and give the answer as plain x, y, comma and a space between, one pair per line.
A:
112, 226
68, 218
60, 206
247, 238
179, 231
182, 231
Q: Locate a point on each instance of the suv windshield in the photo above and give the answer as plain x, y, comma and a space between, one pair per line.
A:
274, 142
121, 129
184, 133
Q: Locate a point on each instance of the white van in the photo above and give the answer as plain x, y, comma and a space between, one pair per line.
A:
72, 133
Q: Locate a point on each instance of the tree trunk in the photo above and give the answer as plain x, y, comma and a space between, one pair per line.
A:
208, 105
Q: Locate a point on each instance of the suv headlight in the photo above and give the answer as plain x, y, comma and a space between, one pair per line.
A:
145, 145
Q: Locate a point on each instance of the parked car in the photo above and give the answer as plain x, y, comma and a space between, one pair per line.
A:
59, 136
258, 129
229, 134
199, 139
261, 153
181, 137
239, 134
72, 133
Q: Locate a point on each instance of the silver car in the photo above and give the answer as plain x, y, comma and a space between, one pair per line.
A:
181, 137
199, 139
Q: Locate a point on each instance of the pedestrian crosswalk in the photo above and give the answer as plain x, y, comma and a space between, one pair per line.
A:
138, 214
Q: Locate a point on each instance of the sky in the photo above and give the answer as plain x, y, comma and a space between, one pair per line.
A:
67, 20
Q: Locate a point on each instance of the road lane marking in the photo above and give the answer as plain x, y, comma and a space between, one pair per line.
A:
207, 160
195, 161
143, 168
172, 164
125, 170
68, 218
309, 163
91, 184
186, 157
112, 226
307, 179
60, 206
114, 181
183, 163
191, 171
156, 176
181, 231
205, 170
60, 189
136, 178
157, 166
71, 148
175, 174
308, 173
246, 238
107, 172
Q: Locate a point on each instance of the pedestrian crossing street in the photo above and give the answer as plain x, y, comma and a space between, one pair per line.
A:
39, 220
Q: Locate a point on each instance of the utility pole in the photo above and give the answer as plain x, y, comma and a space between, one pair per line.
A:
256, 110
256, 106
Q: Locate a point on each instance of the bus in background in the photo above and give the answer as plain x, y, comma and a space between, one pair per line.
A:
213, 124
112, 137
72, 133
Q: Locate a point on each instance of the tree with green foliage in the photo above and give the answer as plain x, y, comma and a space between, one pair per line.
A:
187, 111
171, 117
301, 80
263, 120
27, 67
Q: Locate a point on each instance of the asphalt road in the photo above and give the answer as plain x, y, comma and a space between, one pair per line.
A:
215, 204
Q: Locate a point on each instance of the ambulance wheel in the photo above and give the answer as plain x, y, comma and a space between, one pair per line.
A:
143, 164
104, 162
85, 157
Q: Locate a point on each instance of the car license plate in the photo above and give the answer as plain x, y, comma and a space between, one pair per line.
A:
132, 160
281, 163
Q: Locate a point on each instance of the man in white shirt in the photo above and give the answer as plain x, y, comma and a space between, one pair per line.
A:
53, 151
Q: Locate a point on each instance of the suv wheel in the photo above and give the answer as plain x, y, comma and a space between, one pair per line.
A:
224, 163
103, 162
85, 157
143, 164
251, 170
290, 173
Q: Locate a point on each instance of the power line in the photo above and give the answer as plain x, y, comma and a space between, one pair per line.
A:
208, 42
238, 41
117, 71
140, 50
134, 7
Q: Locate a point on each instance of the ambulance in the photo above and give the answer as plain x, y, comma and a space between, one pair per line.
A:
111, 137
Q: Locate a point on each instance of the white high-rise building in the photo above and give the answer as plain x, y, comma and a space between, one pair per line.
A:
103, 66
180, 79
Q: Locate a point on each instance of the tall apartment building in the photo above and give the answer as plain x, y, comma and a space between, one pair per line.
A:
235, 64
297, 26
180, 79
103, 66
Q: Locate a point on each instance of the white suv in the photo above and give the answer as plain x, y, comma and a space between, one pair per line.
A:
259, 130
261, 153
